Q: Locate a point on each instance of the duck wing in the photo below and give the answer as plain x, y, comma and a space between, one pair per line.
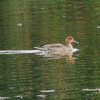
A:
52, 46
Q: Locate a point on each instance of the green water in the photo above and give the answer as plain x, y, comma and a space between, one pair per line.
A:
25, 24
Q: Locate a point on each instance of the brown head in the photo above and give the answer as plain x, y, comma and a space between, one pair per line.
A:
70, 40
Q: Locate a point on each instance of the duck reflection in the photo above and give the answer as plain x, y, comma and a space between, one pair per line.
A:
55, 55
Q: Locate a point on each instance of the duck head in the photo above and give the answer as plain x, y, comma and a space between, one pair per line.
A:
70, 40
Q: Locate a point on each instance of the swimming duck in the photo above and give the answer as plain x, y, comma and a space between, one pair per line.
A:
60, 48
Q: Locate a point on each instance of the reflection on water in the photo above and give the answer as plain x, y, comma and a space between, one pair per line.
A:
28, 74
41, 96
55, 55
18, 51
92, 90
47, 91
4, 98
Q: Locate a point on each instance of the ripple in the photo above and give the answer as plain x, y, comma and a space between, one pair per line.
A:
3, 98
47, 91
93, 90
19, 96
41, 96
19, 24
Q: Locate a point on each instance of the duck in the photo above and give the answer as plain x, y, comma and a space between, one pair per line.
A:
58, 48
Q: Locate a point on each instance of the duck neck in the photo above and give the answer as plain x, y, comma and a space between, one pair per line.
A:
69, 45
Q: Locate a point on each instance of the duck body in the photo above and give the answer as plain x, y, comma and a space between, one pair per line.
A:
59, 49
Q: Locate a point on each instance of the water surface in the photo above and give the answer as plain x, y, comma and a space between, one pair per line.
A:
25, 24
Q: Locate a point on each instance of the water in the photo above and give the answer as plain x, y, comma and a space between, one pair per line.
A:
26, 75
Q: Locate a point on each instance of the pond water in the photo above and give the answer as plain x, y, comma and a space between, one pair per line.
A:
25, 24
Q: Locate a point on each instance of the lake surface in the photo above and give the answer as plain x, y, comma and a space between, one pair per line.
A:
25, 24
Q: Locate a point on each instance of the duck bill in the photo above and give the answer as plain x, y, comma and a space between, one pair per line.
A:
76, 42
